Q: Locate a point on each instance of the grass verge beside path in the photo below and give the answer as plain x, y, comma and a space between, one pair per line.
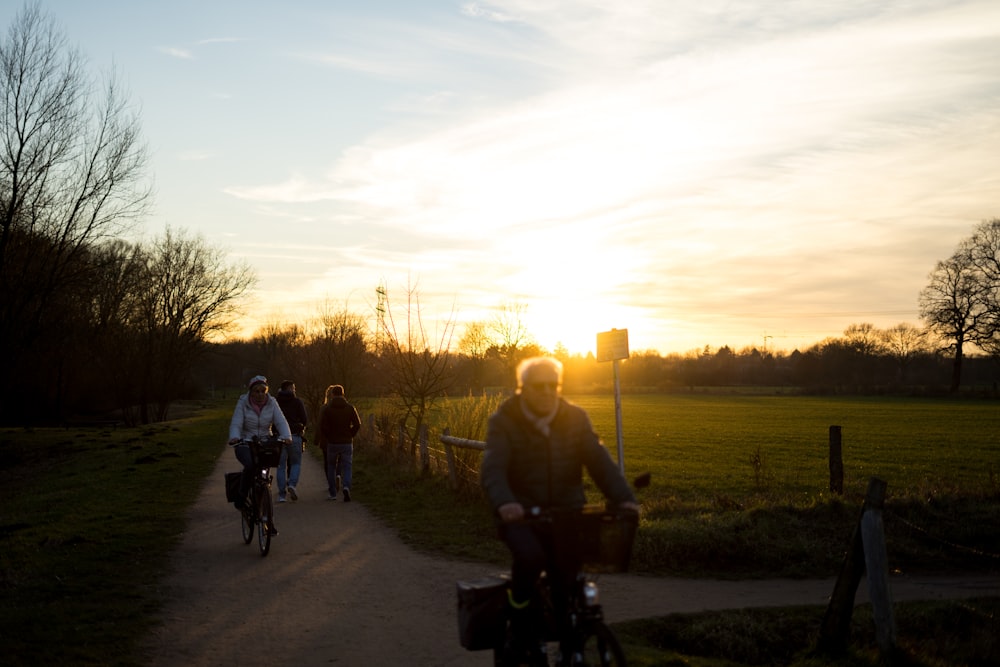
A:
88, 519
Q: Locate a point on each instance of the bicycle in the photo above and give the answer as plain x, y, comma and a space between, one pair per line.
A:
598, 541
258, 509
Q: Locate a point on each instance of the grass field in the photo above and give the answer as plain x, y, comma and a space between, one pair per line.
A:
704, 445
741, 484
89, 516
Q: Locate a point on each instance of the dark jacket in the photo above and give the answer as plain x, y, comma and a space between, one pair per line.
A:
338, 422
521, 464
294, 410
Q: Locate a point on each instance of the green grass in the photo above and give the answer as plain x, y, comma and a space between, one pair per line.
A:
88, 520
741, 483
699, 446
930, 634
89, 517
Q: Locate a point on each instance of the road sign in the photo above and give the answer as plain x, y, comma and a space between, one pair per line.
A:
612, 345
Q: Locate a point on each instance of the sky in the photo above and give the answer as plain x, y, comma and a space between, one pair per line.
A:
726, 172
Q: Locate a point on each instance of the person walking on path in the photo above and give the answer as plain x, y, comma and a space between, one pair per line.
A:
338, 424
255, 414
290, 465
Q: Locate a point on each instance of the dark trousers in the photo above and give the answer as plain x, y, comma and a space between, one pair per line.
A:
532, 552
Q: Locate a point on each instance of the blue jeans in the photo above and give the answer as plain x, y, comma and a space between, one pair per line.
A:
291, 457
338, 457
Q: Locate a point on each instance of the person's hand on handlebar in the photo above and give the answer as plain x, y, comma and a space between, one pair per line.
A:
233, 441
511, 512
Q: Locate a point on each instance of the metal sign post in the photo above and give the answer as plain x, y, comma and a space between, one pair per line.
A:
612, 346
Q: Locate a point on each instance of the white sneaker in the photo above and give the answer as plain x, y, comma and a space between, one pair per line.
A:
281, 499
292, 494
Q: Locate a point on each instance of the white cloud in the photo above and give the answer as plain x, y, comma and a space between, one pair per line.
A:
176, 52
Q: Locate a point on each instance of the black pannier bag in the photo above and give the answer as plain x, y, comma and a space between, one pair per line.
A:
233, 486
482, 613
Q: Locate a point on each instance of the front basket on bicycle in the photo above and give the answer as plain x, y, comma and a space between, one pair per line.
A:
601, 539
268, 453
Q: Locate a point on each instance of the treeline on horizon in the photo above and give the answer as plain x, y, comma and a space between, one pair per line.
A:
855, 364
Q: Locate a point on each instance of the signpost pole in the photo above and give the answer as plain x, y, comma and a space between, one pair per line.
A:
618, 420
612, 346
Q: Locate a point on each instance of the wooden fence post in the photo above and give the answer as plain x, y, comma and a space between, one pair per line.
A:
877, 568
449, 454
836, 462
836, 628
425, 457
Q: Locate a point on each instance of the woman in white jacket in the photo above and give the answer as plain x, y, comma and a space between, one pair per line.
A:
256, 412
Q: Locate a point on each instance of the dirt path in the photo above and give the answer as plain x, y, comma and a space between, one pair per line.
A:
340, 588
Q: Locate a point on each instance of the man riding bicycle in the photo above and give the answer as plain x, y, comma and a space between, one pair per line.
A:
537, 444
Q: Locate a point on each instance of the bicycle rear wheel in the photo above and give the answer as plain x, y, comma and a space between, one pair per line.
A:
599, 647
266, 516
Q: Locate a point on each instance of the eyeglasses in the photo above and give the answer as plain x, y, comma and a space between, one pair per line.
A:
540, 386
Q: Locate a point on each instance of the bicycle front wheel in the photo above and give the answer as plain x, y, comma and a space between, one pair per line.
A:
266, 516
599, 647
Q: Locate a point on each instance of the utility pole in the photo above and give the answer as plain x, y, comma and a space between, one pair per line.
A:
380, 293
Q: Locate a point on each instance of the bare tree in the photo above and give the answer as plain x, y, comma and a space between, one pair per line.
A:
864, 338
72, 172
190, 295
280, 345
510, 335
475, 344
903, 343
419, 366
953, 306
337, 352
115, 307
983, 250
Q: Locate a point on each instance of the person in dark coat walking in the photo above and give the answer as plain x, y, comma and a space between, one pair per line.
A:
338, 424
290, 466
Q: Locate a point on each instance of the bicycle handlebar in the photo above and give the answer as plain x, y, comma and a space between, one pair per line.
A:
258, 440
536, 513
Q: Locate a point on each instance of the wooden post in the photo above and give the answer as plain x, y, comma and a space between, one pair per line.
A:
877, 567
425, 457
449, 454
836, 628
836, 462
